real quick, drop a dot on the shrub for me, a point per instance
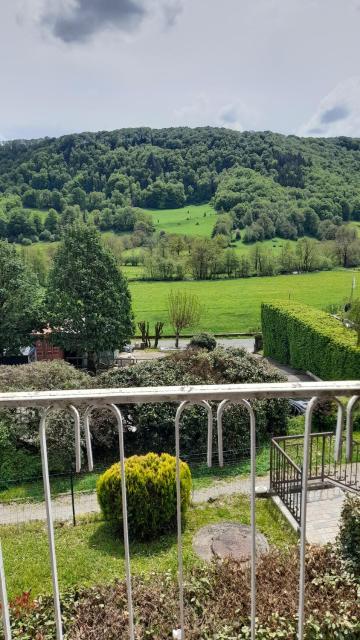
(203, 341)
(349, 534)
(311, 340)
(151, 494)
(155, 422)
(20, 458)
(46, 235)
(217, 603)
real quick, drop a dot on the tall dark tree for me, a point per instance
(88, 300)
(20, 301)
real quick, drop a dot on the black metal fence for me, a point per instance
(285, 479)
(286, 457)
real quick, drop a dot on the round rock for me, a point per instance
(227, 540)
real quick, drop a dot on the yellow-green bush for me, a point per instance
(151, 494)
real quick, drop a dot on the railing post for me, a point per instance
(50, 524)
(4, 600)
(118, 415)
(248, 407)
(72, 496)
(323, 459)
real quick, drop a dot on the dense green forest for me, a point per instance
(265, 184)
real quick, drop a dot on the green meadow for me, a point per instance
(231, 306)
(192, 220)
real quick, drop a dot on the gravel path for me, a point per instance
(323, 513)
(85, 503)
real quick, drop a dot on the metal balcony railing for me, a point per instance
(286, 457)
(85, 401)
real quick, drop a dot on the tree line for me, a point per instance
(272, 184)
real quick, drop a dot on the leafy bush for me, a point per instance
(203, 341)
(154, 423)
(217, 603)
(311, 340)
(151, 494)
(349, 534)
(20, 456)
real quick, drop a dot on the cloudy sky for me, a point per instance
(82, 65)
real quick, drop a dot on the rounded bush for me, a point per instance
(203, 341)
(151, 494)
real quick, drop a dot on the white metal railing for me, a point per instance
(201, 395)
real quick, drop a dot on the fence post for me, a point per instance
(72, 496)
(323, 459)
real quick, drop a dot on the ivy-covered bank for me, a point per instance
(309, 339)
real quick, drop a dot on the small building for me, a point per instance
(44, 348)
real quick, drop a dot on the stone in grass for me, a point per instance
(228, 540)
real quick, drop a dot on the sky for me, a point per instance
(290, 66)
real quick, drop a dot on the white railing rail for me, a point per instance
(113, 399)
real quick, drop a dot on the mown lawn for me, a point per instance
(91, 554)
(234, 305)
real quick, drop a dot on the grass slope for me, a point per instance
(192, 220)
(234, 305)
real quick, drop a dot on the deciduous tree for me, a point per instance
(184, 311)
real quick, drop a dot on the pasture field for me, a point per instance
(192, 220)
(231, 306)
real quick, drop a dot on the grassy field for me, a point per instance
(193, 220)
(90, 553)
(234, 305)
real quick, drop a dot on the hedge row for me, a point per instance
(309, 339)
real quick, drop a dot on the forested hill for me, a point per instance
(252, 174)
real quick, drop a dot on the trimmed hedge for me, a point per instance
(151, 494)
(309, 339)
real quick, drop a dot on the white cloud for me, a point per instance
(338, 113)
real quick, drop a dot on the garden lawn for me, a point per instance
(231, 306)
(90, 554)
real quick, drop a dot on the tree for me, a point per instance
(52, 221)
(20, 224)
(184, 311)
(354, 316)
(88, 300)
(344, 239)
(287, 258)
(306, 252)
(20, 301)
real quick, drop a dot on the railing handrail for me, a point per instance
(193, 393)
(301, 436)
(283, 453)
